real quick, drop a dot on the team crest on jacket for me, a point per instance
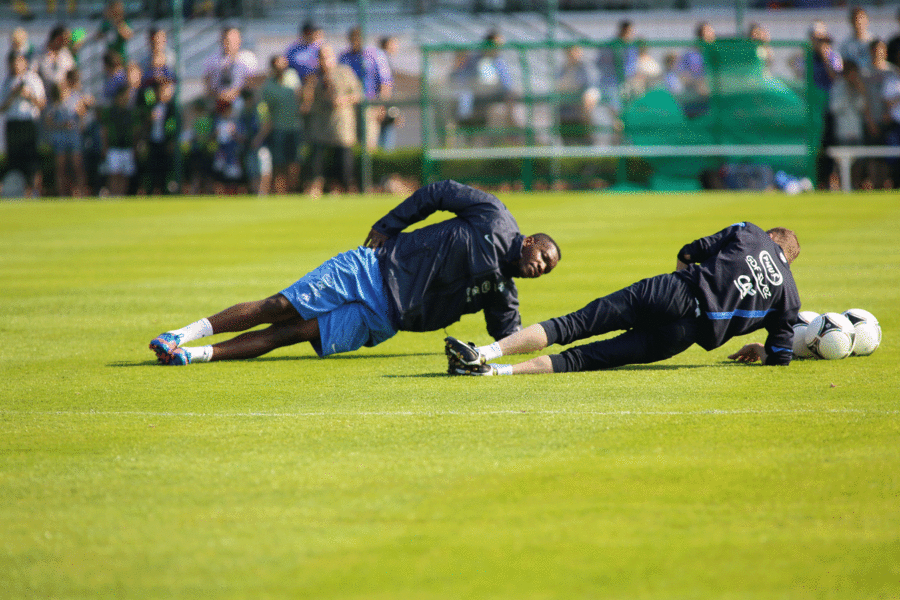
(770, 269)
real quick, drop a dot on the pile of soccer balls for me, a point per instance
(831, 336)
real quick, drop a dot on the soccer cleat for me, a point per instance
(455, 367)
(178, 358)
(165, 345)
(466, 354)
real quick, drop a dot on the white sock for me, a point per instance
(199, 354)
(194, 331)
(491, 352)
(502, 369)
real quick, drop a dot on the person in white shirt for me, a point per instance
(229, 71)
(57, 59)
(22, 98)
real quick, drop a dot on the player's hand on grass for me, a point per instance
(375, 239)
(749, 353)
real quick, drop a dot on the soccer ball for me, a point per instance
(868, 331)
(830, 336)
(801, 350)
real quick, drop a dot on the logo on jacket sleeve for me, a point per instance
(770, 269)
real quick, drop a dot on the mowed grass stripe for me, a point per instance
(451, 413)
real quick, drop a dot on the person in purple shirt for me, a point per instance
(374, 72)
(303, 55)
(369, 63)
(113, 75)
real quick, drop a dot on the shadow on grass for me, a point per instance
(623, 368)
(154, 363)
(651, 367)
(420, 375)
(667, 367)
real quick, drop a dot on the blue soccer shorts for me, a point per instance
(347, 296)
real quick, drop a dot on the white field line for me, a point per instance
(574, 413)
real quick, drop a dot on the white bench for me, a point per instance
(845, 155)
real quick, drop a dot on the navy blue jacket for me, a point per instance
(743, 282)
(463, 265)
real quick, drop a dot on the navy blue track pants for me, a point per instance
(659, 316)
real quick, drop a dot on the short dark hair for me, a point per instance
(111, 58)
(57, 31)
(493, 36)
(543, 238)
(788, 241)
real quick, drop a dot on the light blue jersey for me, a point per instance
(347, 295)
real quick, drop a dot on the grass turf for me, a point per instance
(372, 475)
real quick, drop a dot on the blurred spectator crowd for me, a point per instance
(247, 133)
(291, 124)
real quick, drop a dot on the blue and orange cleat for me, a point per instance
(179, 358)
(165, 345)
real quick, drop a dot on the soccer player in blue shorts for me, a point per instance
(421, 280)
(730, 283)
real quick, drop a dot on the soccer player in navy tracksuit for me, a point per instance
(421, 280)
(730, 283)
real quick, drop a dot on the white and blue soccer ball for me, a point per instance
(868, 331)
(801, 350)
(830, 336)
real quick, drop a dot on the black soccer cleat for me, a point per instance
(465, 354)
(455, 367)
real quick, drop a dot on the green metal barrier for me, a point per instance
(752, 104)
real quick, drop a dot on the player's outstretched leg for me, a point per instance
(240, 317)
(252, 344)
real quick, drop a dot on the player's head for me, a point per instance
(354, 37)
(859, 18)
(705, 32)
(231, 40)
(540, 254)
(787, 239)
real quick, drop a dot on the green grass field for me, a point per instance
(374, 475)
